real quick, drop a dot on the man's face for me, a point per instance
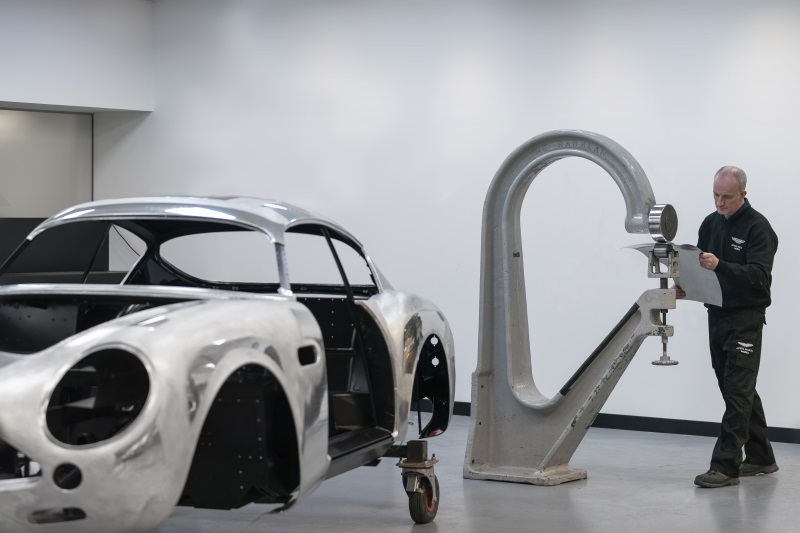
(727, 196)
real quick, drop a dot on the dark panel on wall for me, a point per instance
(12, 232)
(66, 248)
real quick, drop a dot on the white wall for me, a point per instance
(392, 118)
(86, 54)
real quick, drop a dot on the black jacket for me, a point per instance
(745, 245)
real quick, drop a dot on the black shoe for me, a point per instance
(714, 479)
(751, 470)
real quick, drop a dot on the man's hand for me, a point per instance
(680, 294)
(708, 261)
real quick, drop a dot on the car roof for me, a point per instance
(272, 217)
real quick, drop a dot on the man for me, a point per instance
(739, 245)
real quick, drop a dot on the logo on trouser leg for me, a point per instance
(745, 348)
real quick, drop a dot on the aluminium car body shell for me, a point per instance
(405, 319)
(132, 481)
(163, 437)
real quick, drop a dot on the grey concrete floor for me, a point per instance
(638, 482)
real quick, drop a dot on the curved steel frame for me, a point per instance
(518, 434)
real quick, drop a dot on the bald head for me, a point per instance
(729, 190)
(736, 173)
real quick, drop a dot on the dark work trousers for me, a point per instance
(735, 342)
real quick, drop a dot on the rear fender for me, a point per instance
(409, 323)
(432, 387)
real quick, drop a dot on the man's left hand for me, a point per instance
(708, 261)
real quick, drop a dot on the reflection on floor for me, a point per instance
(638, 482)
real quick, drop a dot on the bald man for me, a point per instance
(739, 245)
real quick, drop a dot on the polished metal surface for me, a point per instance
(406, 321)
(662, 223)
(131, 481)
(517, 433)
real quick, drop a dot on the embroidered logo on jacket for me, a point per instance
(737, 243)
(745, 347)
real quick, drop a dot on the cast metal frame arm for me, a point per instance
(518, 434)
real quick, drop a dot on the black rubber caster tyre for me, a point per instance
(421, 505)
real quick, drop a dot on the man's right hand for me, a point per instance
(680, 294)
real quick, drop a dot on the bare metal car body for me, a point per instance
(125, 396)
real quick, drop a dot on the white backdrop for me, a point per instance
(392, 117)
(76, 54)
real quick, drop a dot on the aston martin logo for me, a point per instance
(745, 348)
(737, 241)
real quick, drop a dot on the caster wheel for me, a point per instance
(421, 505)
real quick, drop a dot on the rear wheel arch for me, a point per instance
(431, 390)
